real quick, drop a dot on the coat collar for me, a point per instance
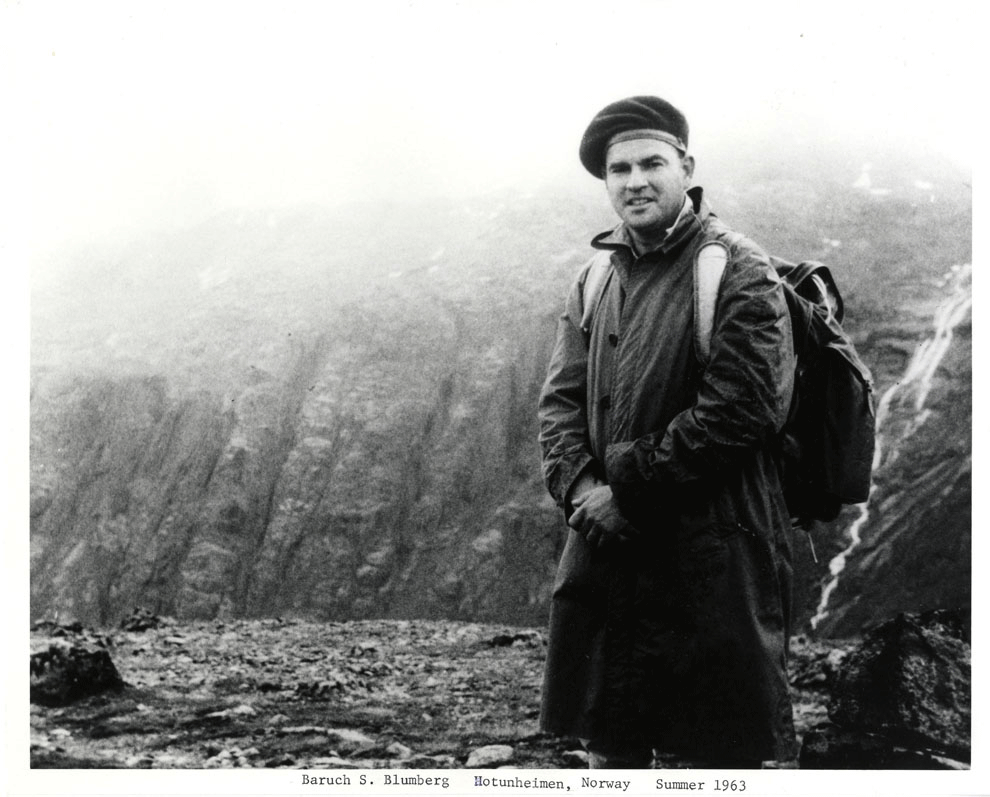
(695, 211)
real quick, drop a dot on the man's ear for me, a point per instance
(687, 163)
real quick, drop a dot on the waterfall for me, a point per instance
(914, 384)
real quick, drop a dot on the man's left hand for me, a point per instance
(597, 516)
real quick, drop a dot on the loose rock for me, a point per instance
(489, 756)
(398, 750)
(575, 759)
(140, 620)
(349, 741)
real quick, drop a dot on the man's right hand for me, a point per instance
(596, 516)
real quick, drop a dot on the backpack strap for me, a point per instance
(813, 281)
(596, 280)
(709, 265)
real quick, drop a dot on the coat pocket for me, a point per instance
(729, 582)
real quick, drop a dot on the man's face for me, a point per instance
(646, 180)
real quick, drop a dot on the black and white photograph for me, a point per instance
(466, 398)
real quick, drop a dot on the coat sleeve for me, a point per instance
(743, 396)
(563, 402)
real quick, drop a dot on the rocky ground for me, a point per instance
(372, 694)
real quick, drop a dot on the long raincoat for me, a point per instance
(676, 638)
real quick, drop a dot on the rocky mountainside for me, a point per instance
(330, 413)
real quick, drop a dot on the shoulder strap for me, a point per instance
(709, 265)
(595, 281)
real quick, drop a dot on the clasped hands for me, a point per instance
(597, 516)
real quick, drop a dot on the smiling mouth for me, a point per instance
(639, 201)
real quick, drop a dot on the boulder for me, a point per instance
(910, 680)
(490, 756)
(66, 671)
(900, 700)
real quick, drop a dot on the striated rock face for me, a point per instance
(917, 522)
(309, 414)
(125, 497)
(909, 547)
(287, 504)
(359, 454)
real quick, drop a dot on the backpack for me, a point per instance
(826, 445)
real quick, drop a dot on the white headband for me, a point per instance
(659, 135)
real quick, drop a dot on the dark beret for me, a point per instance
(633, 113)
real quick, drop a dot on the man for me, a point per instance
(669, 619)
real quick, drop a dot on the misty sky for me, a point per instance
(159, 113)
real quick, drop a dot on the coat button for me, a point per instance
(605, 402)
(613, 339)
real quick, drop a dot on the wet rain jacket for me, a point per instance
(677, 637)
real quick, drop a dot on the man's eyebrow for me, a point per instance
(649, 160)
